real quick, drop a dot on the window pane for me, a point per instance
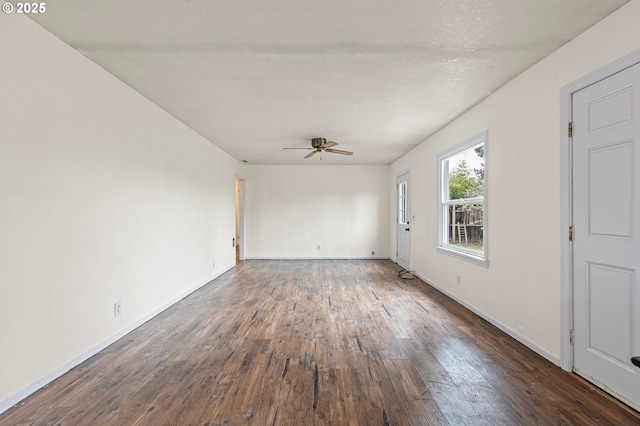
(462, 221)
(465, 226)
(466, 173)
(402, 203)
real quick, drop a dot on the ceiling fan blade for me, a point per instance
(299, 148)
(328, 144)
(338, 151)
(311, 154)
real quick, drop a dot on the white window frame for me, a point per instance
(443, 245)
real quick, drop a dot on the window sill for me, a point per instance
(464, 255)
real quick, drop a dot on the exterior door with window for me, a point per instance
(606, 243)
(403, 222)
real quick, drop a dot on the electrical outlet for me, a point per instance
(459, 278)
(372, 253)
(117, 309)
(318, 247)
(214, 264)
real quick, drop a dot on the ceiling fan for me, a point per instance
(320, 145)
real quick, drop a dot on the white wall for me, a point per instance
(522, 286)
(104, 196)
(290, 210)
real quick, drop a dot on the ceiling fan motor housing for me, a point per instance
(317, 142)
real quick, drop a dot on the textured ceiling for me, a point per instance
(378, 77)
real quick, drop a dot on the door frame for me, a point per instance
(395, 215)
(566, 193)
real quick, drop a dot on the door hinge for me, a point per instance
(570, 129)
(571, 233)
(572, 337)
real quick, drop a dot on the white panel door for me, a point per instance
(403, 222)
(606, 245)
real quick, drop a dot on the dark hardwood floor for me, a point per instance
(318, 343)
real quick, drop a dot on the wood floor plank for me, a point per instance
(317, 342)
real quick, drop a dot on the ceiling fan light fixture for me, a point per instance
(320, 145)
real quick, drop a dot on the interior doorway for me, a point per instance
(239, 237)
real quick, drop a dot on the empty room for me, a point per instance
(320, 213)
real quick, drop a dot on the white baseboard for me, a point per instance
(317, 258)
(528, 343)
(15, 399)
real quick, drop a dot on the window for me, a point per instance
(462, 209)
(403, 214)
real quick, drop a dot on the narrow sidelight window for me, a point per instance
(403, 214)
